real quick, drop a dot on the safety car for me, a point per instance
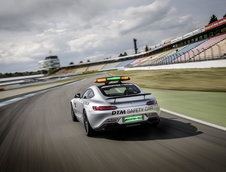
(111, 102)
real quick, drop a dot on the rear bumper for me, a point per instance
(153, 119)
(100, 119)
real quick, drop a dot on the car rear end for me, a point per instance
(132, 111)
(124, 105)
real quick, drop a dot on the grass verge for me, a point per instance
(207, 106)
(198, 93)
(213, 79)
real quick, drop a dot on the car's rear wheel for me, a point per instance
(74, 118)
(88, 129)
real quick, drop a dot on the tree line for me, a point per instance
(214, 18)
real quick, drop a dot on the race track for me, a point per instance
(37, 134)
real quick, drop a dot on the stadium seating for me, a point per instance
(125, 63)
(191, 54)
(206, 49)
(146, 60)
(81, 69)
(171, 58)
(138, 61)
(216, 51)
(110, 66)
(95, 67)
(155, 58)
(165, 56)
(66, 71)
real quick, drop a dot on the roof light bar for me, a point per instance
(113, 78)
(125, 78)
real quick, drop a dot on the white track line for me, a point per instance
(32, 94)
(194, 119)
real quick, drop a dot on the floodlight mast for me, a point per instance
(135, 45)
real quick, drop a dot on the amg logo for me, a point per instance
(119, 112)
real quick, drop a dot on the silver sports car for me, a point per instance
(112, 103)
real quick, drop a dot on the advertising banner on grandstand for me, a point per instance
(215, 24)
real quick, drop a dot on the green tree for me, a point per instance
(213, 18)
(224, 15)
(125, 54)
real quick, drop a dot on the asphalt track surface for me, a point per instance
(37, 134)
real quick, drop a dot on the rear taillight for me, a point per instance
(104, 107)
(151, 102)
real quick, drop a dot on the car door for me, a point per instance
(84, 101)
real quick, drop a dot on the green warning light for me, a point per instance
(116, 78)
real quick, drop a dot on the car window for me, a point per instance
(119, 90)
(88, 94)
(91, 94)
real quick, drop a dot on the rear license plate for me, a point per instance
(133, 118)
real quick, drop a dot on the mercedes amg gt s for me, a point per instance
(112, 103)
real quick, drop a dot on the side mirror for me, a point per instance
(77, 95)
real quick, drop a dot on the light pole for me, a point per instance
(135, 45)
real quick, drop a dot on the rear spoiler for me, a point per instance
(125, 96)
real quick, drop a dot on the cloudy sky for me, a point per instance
(78, 30)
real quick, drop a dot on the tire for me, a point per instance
(74, 118)
(88, 129)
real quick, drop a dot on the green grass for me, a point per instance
(213, 79)
(207, 106)
(198, 93)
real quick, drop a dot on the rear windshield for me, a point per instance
(119, 90)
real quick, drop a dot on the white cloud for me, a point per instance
(85, 29)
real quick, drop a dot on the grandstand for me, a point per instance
(167, 55)
(95, 67)
(81, 69)
(205, 43)
(155, 58)
(202, 48)
(216, 51)
(125, 63)
(66, 71)
(138, 61)
(183, 51)
(110, 66)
